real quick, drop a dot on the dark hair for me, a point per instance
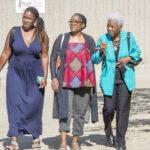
(82, 17)
(39, 27)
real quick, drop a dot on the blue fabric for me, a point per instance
(108, 66)
(24, 98)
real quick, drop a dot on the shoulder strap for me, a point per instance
(128, 39)
(62, 39)
(12, 35)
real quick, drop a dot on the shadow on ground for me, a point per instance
(25, 142)
(90, 140)
(140, 105)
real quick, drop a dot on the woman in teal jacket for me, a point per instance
(117, 78)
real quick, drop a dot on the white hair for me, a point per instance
(116, 15)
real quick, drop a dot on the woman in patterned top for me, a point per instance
(74, 84)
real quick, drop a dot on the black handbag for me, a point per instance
(132, 64)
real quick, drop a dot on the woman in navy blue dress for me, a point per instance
(28, 59)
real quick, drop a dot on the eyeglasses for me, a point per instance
(74, 22)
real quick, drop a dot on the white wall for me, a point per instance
(136, 20)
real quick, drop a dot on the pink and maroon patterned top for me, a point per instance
(78, 68)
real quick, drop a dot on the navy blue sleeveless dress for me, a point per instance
(24, 98)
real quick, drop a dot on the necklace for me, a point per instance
(115, 48)
(116, 45)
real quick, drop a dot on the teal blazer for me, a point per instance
(108, 66)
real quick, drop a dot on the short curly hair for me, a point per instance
(116, 15)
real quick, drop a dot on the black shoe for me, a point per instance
(121, 147)
(110, 140)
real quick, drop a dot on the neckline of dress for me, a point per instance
(24, 40)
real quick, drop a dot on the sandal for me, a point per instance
(12, 148)
(36, 146)
(75, 148)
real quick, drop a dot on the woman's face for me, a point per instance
(76, 24)
(113, 28)
(28, 20)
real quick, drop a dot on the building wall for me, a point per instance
(136, 20)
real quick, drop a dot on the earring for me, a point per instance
(35, 24)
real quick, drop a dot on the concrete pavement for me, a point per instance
(138, 135)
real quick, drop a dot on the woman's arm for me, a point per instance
(54, 55)
(98, 56)
(91, 45)
(53, 60)
(45, 60)
(134, 52)
(6, 52)
(134, 49)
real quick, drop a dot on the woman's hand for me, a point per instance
(55, 84)
(102, 48)
(124, 60)
(43, 83)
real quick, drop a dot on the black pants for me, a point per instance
(119, 101)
